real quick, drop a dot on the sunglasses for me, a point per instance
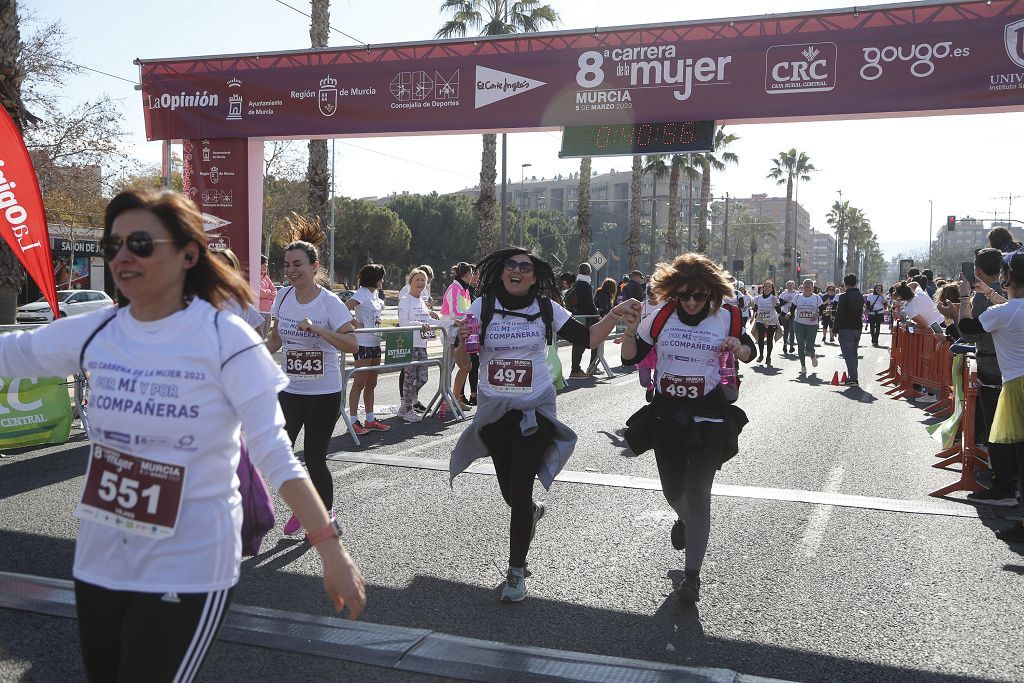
(139, 243)
(525, 267)
(699, 297)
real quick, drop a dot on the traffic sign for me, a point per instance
(598, 260)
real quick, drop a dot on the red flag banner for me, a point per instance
(22, 217)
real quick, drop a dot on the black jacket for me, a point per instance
(634, 290)
(584, 299)
(850, 309)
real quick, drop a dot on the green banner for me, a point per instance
(946, 431)
(398, 346)
(33, 411)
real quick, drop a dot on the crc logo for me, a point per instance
(800, 68)
(921, 58)
(1013, 38)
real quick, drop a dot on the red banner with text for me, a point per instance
(215, 176)
(22, 216)
(892, 60)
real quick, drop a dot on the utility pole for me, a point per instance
(504, 189)
(330, 232)
(931, 211)
(725, 232)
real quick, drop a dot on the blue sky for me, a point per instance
(891, 168)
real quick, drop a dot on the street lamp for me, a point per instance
(522, 202)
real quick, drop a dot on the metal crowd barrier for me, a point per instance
(78, 381)
(600, 347)
(444, 363)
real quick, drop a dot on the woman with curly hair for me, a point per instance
(515, 423)
(691, 423)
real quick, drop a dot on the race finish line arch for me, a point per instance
(910, 59)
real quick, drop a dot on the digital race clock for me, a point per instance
(619, 139)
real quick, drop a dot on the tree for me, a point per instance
(836, 217)
(318, 172)
(634, 214)
(716, 160)
(492, 18)
(583, 210)
(366, 233)
(681, 163)
(787, 169)
(858, 235)
(280, 197)
(442, 227)
(654, 166)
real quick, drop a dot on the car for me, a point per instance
(344, 294)
(69, 302)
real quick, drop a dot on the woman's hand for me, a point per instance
(435, 316)
(981, 288)
(425, 327)
(306, 325)
(343, 581)
(965, 287)
(630, 310)
(731, 344)
(463, 330)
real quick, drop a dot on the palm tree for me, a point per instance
(654, 166)
(837, 217)
(680, 163)
(716, 160)
(492, 18)
(634, 214)
(583, 209)
(749, 230)
(787, 169)
(12, 73)
(858, 235)
(318, 175)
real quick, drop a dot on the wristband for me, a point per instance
(332, 530)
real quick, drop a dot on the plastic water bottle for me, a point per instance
(473, 339)
(727, 367)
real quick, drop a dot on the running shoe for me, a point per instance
(851, 383)
(925, 399)
(411, 416)
(689, 589)
(472, 399)
(419, 407)
(993, 497)
(377, 426)
(358, 428)
(578, 374)
(292, 526)
(814, 360)
(679, 535)
(649, 395)
(538, 514)
(465, 404)
(514, 589)
(1014, 534)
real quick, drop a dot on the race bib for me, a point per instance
(304, 364)
(428, 334)
(806, 314)
(763, 315)
(510, 376)
(135, 495)
(678, 386)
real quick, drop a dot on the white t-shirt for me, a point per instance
(922, 305)
(367, 314)
(513, 355)
(806, 312)
(1006, 324)
(646, 307)
(164, 424)
(414, 311)
(248, 314)
(310, 362)
(687, 355)
(785, 296)
(766, 313)
(875, 302)
(424, 294)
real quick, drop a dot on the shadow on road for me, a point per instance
(618, 441)
(38, 471)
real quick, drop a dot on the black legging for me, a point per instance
(517, 459)
(318, 413)
(474, 373)
(875, 323)
(767, 338)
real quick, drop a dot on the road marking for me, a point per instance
(816, 525)
(832, 498)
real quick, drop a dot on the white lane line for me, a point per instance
(816, 525)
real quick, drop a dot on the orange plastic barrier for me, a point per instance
(966, 451)
(921, 359)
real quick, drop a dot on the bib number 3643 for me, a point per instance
(302, 364)
(136, 495)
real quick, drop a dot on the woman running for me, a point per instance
(828, 321)
(875, 304)
(647, 366)
(766, 320)
(367, 308)
(172, 380)
(691, 423)
(412, 310)
(515, 422)
(1005, 321)
(310, 326)
(454, 307)
(804, 309)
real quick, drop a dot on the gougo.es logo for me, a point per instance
(921, 57)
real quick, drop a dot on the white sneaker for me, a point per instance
(814, 360)
(925, 399)
(411, 416)
(514, 589)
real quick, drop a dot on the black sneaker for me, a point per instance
(679, 535)
(538, 513)
(993, 497)
(419, 407)
(689, 590)
(649, 395)
(851, 383)
(1014, 534)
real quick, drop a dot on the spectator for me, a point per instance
(1002, 239)
(635, 288)
(581, 302)
(565, 281)
(929, 280)
(848, 321)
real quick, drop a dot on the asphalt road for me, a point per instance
(790, 590)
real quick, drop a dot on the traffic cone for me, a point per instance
(835, 379)
(845, 379)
